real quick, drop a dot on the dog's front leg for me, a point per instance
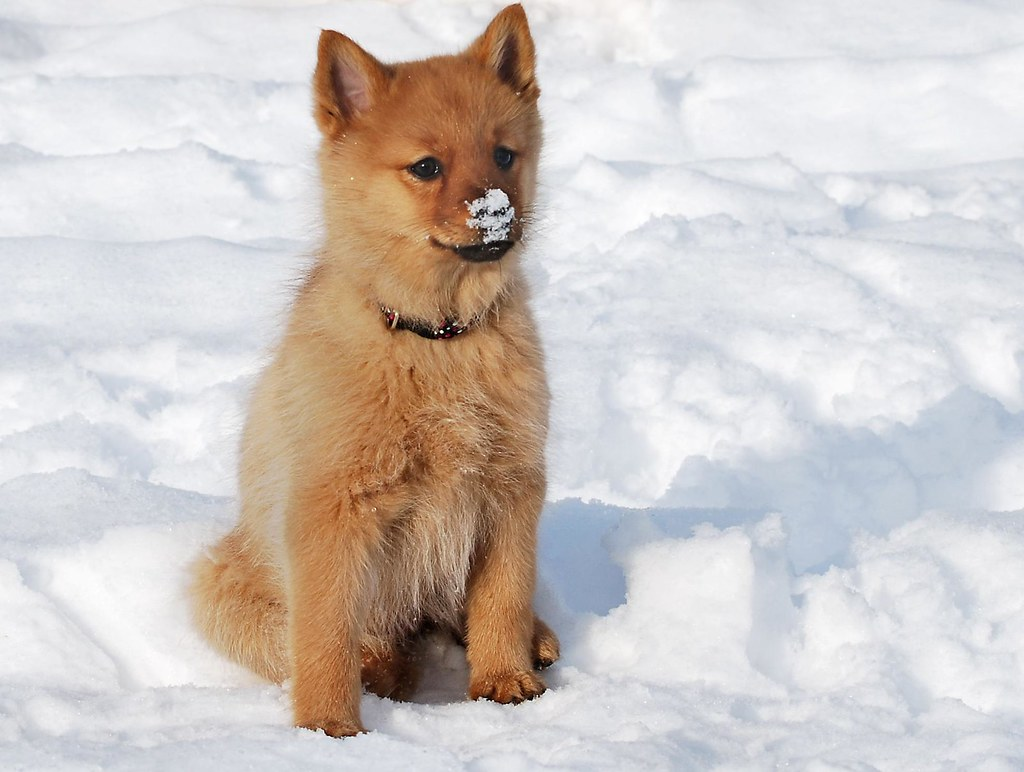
(332, 560)
(499, 603)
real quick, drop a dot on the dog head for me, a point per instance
(429, 167)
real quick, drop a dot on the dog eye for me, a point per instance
(426, 168)
(504, 157)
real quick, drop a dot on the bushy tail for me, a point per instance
(240, 609)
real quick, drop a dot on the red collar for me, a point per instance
(445, 331)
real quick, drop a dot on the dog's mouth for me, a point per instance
(479, 253)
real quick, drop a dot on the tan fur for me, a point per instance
(389, 482)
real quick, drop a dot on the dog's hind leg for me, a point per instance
(239, 608)
(390, 669)
(545, 644)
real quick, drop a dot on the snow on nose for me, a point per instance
(493, 214)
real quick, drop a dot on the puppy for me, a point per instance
(392, 463)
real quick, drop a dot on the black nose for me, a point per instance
(484, 253)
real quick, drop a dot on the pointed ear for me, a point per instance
(507, 47)
(347, 82)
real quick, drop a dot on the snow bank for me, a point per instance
(778, 272)
(814, 350)
(930, 613)
(710, 651)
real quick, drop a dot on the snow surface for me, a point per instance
(779, 273)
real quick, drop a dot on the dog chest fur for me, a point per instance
(428, 441)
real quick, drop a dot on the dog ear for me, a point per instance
(507, 47)
(347, 82)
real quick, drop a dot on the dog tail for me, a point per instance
(239, 608)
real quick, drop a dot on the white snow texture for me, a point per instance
(778, 269)
(493, 214)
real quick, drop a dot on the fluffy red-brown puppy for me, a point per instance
(392, 464)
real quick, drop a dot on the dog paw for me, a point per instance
(545, 645)
(507, 688)
(333, 728)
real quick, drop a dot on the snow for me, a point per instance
(492, 214)
(778, 270)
